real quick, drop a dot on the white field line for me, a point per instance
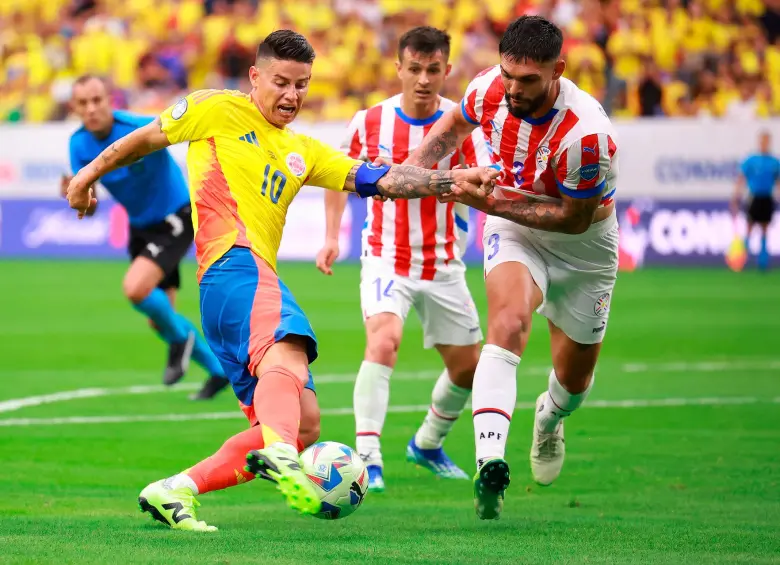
(673, 367)
(236, 415)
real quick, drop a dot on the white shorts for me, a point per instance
(576, 273)
(445, 308)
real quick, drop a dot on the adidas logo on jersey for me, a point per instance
(250, 137)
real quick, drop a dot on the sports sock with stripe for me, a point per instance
(493, 400)
(370, 398)
(447, 402)
(559, 403)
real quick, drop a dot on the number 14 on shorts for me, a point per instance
(385, 291)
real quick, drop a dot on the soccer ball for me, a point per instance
(339, 476)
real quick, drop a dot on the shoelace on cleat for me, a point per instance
(548, 445)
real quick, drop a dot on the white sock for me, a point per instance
(182, 480)
(371, 397)
(290, 449)
(559, 403)
(493, 400)
(447, 402)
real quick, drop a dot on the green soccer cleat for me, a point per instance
(172, 507)
(284, 468)
(490, 482)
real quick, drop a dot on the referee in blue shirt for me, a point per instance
(155, 195)
(759, 173)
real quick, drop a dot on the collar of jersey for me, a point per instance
(417, 121)
(544, 119)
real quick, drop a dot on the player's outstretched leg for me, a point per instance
(447, 402)
(277, 402)
(172, 501)
(569, 384)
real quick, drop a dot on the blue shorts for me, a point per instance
(245, 308)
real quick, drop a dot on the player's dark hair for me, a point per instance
(286, 45)
(426, 40)
(532, 38)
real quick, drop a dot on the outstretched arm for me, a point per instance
(445, 136)
(121, 153)
(571, 215)
(406, 181)
(127, 150)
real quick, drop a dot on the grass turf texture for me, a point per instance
(672, 484)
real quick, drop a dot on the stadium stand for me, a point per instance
(708, 58)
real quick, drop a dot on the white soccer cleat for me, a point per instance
(547, 449)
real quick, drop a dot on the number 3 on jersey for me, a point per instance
(273, 183)
(492, 242)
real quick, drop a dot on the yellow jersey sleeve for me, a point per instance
(329, 166)
(193, 117)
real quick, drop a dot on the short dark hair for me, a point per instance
(286, 45)
(424, 39)
(532, 37)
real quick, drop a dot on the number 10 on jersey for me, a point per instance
(273, 183)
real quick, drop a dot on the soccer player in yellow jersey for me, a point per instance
(245, 167)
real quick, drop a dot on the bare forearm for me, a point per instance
(128, 150)
(406, 181)
(335, 202)
(546, 216)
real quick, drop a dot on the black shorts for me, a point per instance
(761, 209)
(165, 243)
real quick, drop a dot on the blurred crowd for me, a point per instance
(711, 58)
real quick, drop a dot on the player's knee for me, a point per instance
(510, 324)
(382, 347)
(135, 291)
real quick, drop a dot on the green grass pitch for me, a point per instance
(686, 471)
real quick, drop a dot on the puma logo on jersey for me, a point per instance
(250, 137)
(177, 225)
(589, 149)
(154, 250)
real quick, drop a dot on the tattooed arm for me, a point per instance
(445, 136)
(406, 181)
(122, 152)
(129, 149)
(571, 215)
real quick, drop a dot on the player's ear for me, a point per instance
(447, 70)
(398, 66)
(560, 66)
(254, 76)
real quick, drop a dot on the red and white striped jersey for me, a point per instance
(571, 150)
(421, 238)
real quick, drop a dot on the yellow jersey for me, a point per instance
(244, 172)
